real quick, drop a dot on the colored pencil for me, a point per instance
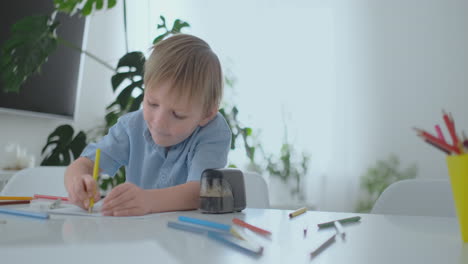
(339, 229)
(221, 235)
(211, 224)
(238, 244)
(95, 177)
(16, 198)
(14, 202)
(323, 246)
(438, 147)
(193, 228)
(206, 223)
(342, 221)
(259, 230)
(50, 197)
(24, 213)
(451, 128)
(437, 141)
(439, 133)
(298, 212)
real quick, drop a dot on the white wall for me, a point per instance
(105, 38)
(399, 63)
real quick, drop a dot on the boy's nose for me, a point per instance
(160, 121)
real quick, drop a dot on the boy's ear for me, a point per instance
(209, 116)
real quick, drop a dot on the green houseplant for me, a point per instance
(378, 177)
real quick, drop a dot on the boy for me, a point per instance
(165, 146)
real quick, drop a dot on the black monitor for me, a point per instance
(52, 92)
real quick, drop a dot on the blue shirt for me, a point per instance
(147, 165)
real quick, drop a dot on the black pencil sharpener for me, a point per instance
(222, 191)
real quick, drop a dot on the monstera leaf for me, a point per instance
(129, 76)
(65, 147)
(71, 6)
(33, 39)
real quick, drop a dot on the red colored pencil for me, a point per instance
(239, 222)
(436, 146)
(50, 197)
(439, 133)
(451, 128)
(437, 141)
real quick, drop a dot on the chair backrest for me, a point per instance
(256, 190)
(39, 180)
(421, 197)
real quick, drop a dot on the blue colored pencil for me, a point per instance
(219, 235)
(192, 228)
(205, 223)
(238, 244)
(24, 213)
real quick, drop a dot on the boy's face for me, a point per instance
(171, 120)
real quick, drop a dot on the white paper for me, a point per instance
(70, 209)
(73, 210)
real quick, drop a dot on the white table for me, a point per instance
(376, 239)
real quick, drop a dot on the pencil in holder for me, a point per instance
(458, 172)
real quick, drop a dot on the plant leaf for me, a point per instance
(64, 146)
(33, 40)
(78, 144)
(163, 22)
(134, 59)
(124, 96)
(136, 103)
(72, 6)
(99, 4)
(178, 25)
(119, 77)
(160, 37)
(66, 6)
(111, 3)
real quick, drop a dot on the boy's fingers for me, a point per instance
(129, 212)
(90, 186)
(79, 192)
(117, 191)
(117, 202)
(122, 202)
(97, 196)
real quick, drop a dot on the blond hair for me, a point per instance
(190, 66)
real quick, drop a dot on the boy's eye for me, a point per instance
(153, 105)
(178, 116)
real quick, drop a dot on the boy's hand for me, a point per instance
(81, 189)
(126, 199)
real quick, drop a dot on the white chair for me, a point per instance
(256, 190)
(39, 180)
(417, 197)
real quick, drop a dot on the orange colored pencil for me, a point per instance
(16, 198)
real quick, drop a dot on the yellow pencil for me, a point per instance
(95, 177)
(298, 212)
(16, 198)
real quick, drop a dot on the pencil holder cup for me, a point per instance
(458, 172)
